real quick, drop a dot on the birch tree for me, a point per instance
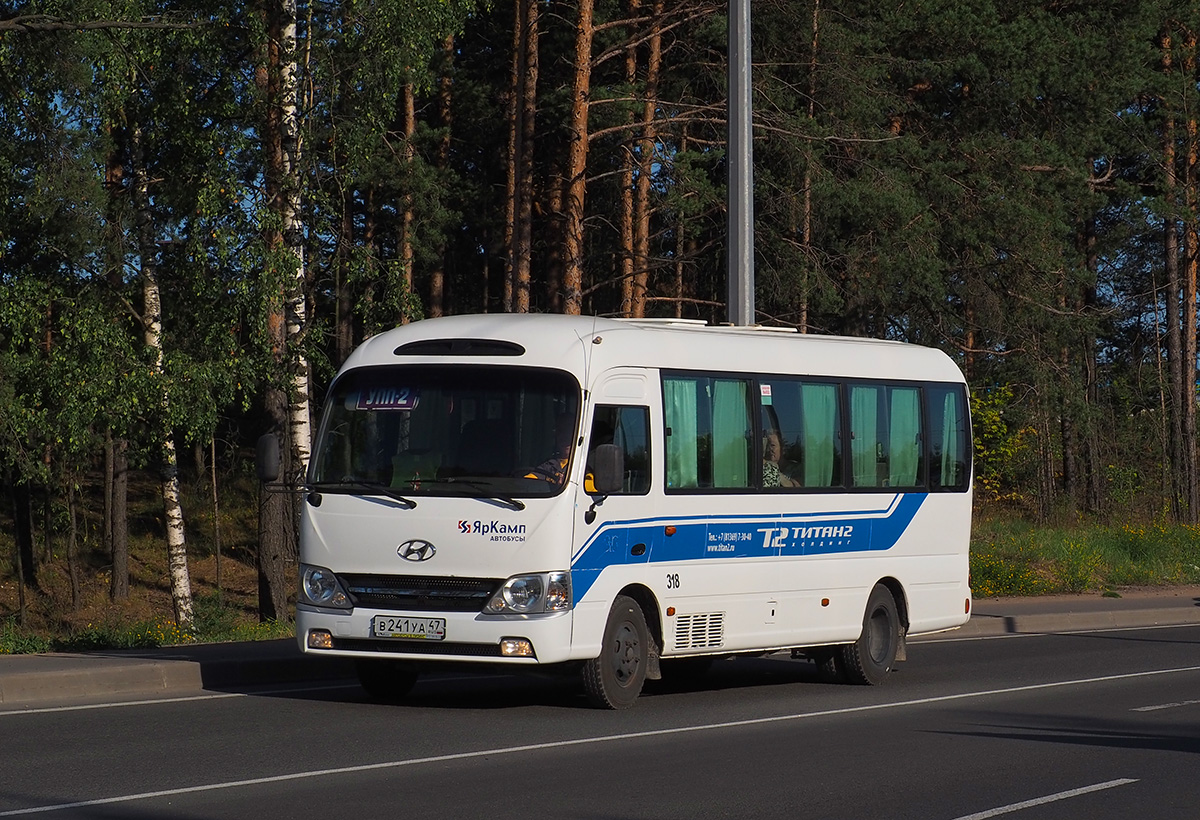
(286, 401)
(152, 325)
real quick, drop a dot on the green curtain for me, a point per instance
(818, 404)
(950, 441)
(679, 397)
(904, 441)
(731, 424)
(864, 411)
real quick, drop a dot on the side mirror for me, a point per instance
(608, 469)
(266, 458)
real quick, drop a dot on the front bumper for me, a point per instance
(470, 636)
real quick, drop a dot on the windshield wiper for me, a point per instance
(362, 488)
(481, 488)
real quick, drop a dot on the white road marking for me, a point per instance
(587, 741)
(1156, 707)
(950, 637)
(1050, 798)
(121, 704)
(82, 707)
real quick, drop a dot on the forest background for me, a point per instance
(209, 204)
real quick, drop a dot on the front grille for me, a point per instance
(415, 593)
(472, 650)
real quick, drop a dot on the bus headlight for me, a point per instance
(320, 587)
(532, 594)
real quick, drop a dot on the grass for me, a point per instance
(55, 621)
(1012, 557)
(215, 621)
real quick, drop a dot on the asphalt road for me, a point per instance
(1094, 724)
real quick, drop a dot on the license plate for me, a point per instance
(413, 629)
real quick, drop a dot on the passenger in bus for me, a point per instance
(554, 469)
(775, 469)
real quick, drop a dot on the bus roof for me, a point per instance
(590, 344)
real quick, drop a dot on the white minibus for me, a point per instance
(616, 496)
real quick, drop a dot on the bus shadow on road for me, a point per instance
(1109, 734)
(456, 688)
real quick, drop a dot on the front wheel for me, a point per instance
(613, 679)
(869, 659)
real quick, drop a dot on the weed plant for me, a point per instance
(215, 622)
(1010, 557)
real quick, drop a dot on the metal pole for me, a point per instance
(740, 270)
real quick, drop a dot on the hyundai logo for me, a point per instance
(416, 550)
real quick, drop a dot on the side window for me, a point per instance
(906, 462)
(802, 436)
(886, 442)
(629, 429)
(708, 430)
(868, 456)
(949, 453)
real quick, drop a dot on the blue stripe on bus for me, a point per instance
(749, 536)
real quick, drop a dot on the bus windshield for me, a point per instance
(449, 430)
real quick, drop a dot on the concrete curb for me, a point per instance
(994, 625)
(65, 677)
(27, 680)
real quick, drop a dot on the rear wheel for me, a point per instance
(830, 668)
(386, 680)
(869, 659)
(613, 679)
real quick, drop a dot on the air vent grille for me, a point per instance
(700, 631)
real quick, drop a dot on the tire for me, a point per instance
(830, 668)
(613, 679)
(868, 660)
(386, 680)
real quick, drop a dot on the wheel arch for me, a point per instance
(894, 586)
(648, 601)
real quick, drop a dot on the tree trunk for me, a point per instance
(73, 544)
(23, 534)
(628, 161)
(641, 236)
(806, 222)
(521, 134)
(1187, 386)
(512, 175)
(181, 587)
(287, 408)
(119, 535)
(344, 281)
(523, 270)
(216, 511)
(437, 277)
(1093, 471)
(555, 244)
(1173, 288)
(300, 422)
(409, 118)
(575, 176)
(1046, 484)
(276, 526)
